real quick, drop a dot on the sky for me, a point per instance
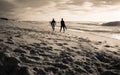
(70, 10)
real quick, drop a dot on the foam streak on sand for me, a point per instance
(95, 37)
(116, 36)
(25, 50)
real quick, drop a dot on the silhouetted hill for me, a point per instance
(2, 18)
(115, 23)
(6, 19)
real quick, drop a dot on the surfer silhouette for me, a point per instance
(53, 23)
(63, 26)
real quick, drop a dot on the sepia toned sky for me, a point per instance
(71, 10)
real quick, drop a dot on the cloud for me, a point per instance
(31, 3)
(6, 8)
(47, 9)
(33, 13)
(35, 3)
(96, 2)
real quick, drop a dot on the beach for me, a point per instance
(32, 48)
